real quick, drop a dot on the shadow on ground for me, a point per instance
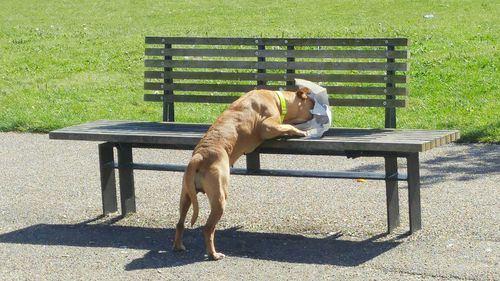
(232, 242)
(466, 165)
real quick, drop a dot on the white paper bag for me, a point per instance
(322, 115)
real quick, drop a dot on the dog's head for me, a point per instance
(299, 107)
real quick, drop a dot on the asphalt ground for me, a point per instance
(273, 228)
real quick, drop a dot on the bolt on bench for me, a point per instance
(356, 73)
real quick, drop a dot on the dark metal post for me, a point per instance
(261, 82)
(414, 192)
(391, 191)
(126, 175)
(391, 163)
(291, 83)
(390, 112)
(253, 161)
(108, 181)
(253, 158)
(168, 107)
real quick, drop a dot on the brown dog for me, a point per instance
(254, 117)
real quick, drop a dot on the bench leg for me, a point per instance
(253, 161)
(414, 192)
(126, 175)
(391, 192)
(108, 181)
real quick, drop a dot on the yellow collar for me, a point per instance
(282, 105)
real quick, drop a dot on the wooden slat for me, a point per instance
(367, 102)
(245, 88)
(191, 98)
(196, 75)
(365, 90)
(360, 66)
(279, 41)
(200, 87)
(229, 99)
(276, 53)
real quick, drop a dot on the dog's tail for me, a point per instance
(189, 184)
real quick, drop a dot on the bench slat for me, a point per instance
(279, 42)
(359, 66)
(191, 98)
(225, 76)
(229, 99)
(246, 88)
(367, 103)
(382, 54)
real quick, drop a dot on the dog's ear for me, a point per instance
(302, 92)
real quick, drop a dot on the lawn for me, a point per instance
(68, 62)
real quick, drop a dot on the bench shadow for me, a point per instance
(233, 242)
(474, 162)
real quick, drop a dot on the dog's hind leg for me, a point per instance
(217, 195)
(184, 205)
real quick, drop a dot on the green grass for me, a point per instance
(68, 62)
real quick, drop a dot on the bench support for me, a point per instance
(126, 174)
(108, 181)
(391, 192)
(126, 168)
(414, 192)
(253, 161)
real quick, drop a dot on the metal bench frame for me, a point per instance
(360, 68)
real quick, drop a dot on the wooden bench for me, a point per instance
(356, 73)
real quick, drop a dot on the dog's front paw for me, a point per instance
(303, 133)
(216, 256)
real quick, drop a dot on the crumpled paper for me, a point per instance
(322, 115)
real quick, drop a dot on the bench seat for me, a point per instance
(187, 135)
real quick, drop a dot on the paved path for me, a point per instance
(274, 228)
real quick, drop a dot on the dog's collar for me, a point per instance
(282, 105)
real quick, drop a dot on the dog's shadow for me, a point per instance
(235, 242)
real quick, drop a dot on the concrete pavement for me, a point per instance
(274, 228)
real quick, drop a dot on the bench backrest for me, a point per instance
(356, 72)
